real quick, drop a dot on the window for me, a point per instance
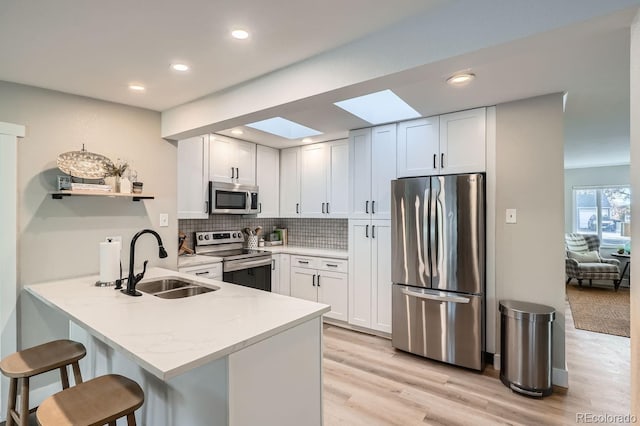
(605, 211)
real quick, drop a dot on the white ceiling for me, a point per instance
(74, 47)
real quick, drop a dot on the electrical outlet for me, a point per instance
(164, 219)
(511, 216)
(114, 239)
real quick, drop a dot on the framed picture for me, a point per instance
(64, 182)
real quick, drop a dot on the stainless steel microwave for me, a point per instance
(232, 198)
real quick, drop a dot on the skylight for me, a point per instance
(379, 107)
(285, 128)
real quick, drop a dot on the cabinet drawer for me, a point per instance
(213, 271)
(335, 265)
(304, 262)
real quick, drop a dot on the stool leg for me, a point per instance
(24, 402)
(13, 389)
(131, 419)
(76, 373)
(64, 377)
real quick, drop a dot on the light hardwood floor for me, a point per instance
(367, 382)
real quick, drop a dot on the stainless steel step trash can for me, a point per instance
(526, 347)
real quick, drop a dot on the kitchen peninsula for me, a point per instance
(234, 356)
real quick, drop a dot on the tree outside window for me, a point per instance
(605, 211)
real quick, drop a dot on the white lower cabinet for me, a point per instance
(321, 280)
(210, 270)
(370, 274)
(280, 274)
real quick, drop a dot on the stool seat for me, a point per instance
(95, 402)
(38, 359)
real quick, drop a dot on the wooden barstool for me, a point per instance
(33, 361)
(95, 402)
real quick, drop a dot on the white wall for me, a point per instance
(529, 176)
(59, 238)
(635, 211)
(612, 175)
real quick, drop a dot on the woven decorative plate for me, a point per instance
(84, 164)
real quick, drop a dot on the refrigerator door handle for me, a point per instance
(420, 295)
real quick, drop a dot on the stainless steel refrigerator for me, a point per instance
(438, 267)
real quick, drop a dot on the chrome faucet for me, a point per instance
(135, 278)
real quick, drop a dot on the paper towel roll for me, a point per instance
(109, 261)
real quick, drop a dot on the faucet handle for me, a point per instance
(141, 274)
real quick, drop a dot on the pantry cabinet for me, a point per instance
(321, 280)
(372, 167)
(193, 178)
(290, 182)
(268, 180)
(370, 274)
(447, 144)
(324, 173)
(232, 160)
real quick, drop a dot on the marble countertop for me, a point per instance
(195, 260)
(170, 337)
(308, 251)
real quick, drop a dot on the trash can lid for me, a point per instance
(527, 311)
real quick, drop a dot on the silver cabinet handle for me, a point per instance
(206, 207)
(333, 265)
(327, 207)
(373, 207)
(437, 298)
(373, 231)
(232, 173)
(366, 207)
(366, 231)
(237, 173)
(297, 208)
(434, 161)
(318, 280)
(442, 161)
(323, 207)
(259, 207)
(202, 273)
(304, 262)
(313, 280)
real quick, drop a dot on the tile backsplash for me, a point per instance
(319, 233)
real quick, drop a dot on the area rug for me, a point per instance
(600, 309)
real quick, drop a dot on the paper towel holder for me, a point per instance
(116, 281)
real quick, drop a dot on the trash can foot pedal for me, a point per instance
(535, 394)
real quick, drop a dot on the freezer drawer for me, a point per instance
(440, 325)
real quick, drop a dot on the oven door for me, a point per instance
(254, 274)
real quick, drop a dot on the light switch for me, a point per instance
(164, 219)
(511, 216)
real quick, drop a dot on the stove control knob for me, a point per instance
(206, 237)
(200, 237)
(236, 235)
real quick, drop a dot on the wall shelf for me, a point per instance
(58, 195)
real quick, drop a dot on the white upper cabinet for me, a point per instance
(463, 141)
(268, 179)
(418, 147)
(232, 160)
(448, 144)
(290, 182)
(372, 159)
(324, 179)
(193, 178)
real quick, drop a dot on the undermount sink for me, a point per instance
(173, 288)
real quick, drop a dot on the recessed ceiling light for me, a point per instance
(237, 132)
(379, 107)
(137, 87)
(460, 79)
(285, 128)
(180, 67)
(307, 140)
(240, 34)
